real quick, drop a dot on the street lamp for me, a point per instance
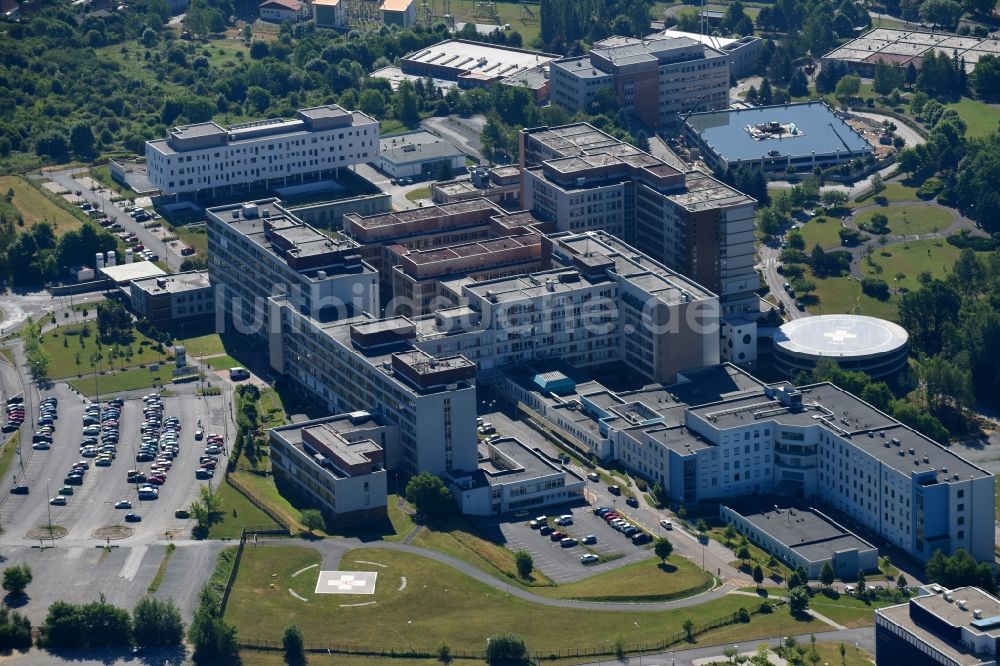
(49, 507)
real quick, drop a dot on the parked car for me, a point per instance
(589, 539)
(545, 530)
(632, 502)
(615, 490)
(666, 524)
(132, 517)
(594, 476)
(123, 504)
(568, 542)
(565, 519)
(19, 490)
(589, 558)
(58, 500)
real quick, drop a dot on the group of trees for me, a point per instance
(37, 255)
(566, 23)
(958, 570)
(430, 496)
(98, 624)
(954, 328)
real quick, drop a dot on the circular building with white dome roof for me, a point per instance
(855, 342)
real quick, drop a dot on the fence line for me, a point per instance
(410, 651)
(232, 574)
(257, 503)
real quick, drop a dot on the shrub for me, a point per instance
(930, 188)
(978, 243)
(875, 288)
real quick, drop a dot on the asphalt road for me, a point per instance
(775, 281)
(102, 200)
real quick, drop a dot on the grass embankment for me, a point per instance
(161, 571)
(439, 604)
(34, 206)
(894, 192)
(980, 119)
(237, 512)
(644, 581)
(126, 380)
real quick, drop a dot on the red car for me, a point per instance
(557, 536)
(209, 465)
(156, 479)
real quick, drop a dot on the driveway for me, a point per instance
(768, 267)
(101, 199)
(384, 183)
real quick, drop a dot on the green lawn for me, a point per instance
(847, 610)
(8, 453)
(126, 380)
(642, 581)
(910, 259)
(65, 346)
(35, 207)
(912, 220)
(829, 653)
(419, 193)
(221, 362)
(203, 345)
(196, 239)
(980, 118)
(264, 490)
(826, 233)
(230, 525)
(507, 12)
(842, 295)
(439, 604)
(894, 192)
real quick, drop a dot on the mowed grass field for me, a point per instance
(824, 231)
(127, 380)
(847, 610)
(980, 119)
(65, 345)
(844, 295)
(437, 603)
(35, 207)
(894, 192)
(917, 219)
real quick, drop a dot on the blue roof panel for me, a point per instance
(819, 130)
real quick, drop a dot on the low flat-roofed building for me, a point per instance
(124, 274)
(394, 75)
(535, 79)
(905, 47)
(959, 627)
(776, 138)
(472, 64)
(168, 298)
(512, 476)
(336, 464)
(419, 155)
(499, 184)
(743, 52)
(799, 535)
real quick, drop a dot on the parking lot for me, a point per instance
(91, 505)
(563, 565)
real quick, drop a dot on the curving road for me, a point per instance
(333, 550)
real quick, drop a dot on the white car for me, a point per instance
(564, 520)
(58, 501)
(589, 558)
(124, 504)
(666, 524)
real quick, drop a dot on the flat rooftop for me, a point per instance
(703, 192)
(332, 431)
(624, 51)
(574, 139)
(416, 147)
(124, 273)
(395, 76)
(174, 283)
(798, 527)
(817, 130)
(411, 221)
(906, 46)
(951, 614)
(531, 464)
(468, 57)
(302, 239)
(870, 430)
(841, 336)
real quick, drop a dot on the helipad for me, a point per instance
(856, 342)
(346, 582)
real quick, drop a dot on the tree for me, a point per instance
(16, 579)
(833, 198)
(798, 600)
(81, 140)
(405, 108)
(312, 520)
(429, 495)
(798, 86)
(743, 552)
(641, 141)
(213, 639)
(525, 563)
(294, 645)
(758, 575)
(157, 623)
(663, 549)
(848, 88)
(944, 13)
(826, 575)
(688, 628)
(506, 650)
(372, 102)
(986, 78)
(861, 583)
(887, 78)
(878, 183)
